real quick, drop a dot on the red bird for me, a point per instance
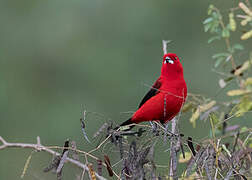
(166, 97)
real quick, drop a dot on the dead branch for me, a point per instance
(39, 147)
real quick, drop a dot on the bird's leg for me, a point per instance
(165, 133)
(132, 133)
(154, 128)
(116, 133)
(168, 132)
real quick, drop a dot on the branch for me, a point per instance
(39, 147)
(165, 42)
(173, 152)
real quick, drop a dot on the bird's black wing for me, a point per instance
(152, 92)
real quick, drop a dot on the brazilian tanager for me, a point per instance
(167, 95)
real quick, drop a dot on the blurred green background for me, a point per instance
(57, 55)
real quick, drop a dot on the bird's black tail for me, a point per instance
(128, 122)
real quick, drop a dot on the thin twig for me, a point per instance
(98, 147)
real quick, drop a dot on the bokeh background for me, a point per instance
(104, 54)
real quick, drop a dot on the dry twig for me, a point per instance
(39, 147)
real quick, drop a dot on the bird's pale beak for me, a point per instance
(170, 61)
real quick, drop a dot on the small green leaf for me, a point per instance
(214, 121)
(226, 149)
(188, 106)
(244, 106)
(216, 29)
(212, 39)
(216, 15)
(238, 92)
(225, 33)
(238, 47)
(208, 20)
(248, 81)
(243, 129)
(229, 79)
(214, 118)
(207, 27)
(248, 139)
(232, 22)
(218, 61)
(186, 159)
(218, 55)
(210, 9)
(195, 116)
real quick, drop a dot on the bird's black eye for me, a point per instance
(168, 60)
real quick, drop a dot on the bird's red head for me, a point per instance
(171, 67)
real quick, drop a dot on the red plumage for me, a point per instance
(166, 97)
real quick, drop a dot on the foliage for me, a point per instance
(233, 66)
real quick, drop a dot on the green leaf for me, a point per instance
(208, 20)
(243, 129)
(229, 79)
(218, 55)
(210, 9)
(207, 27)
(248, 139)
(212, 39)
(248, 81)
(216, 16)
(186, 159)
(188, 106)
(235, 47)
(216, 29)
(214, 118)
(214, 121)
(195, 116)
(244, 106)
(226, 149)
(225, 33)
(238, 47)
(218, 61)
(238, 92)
